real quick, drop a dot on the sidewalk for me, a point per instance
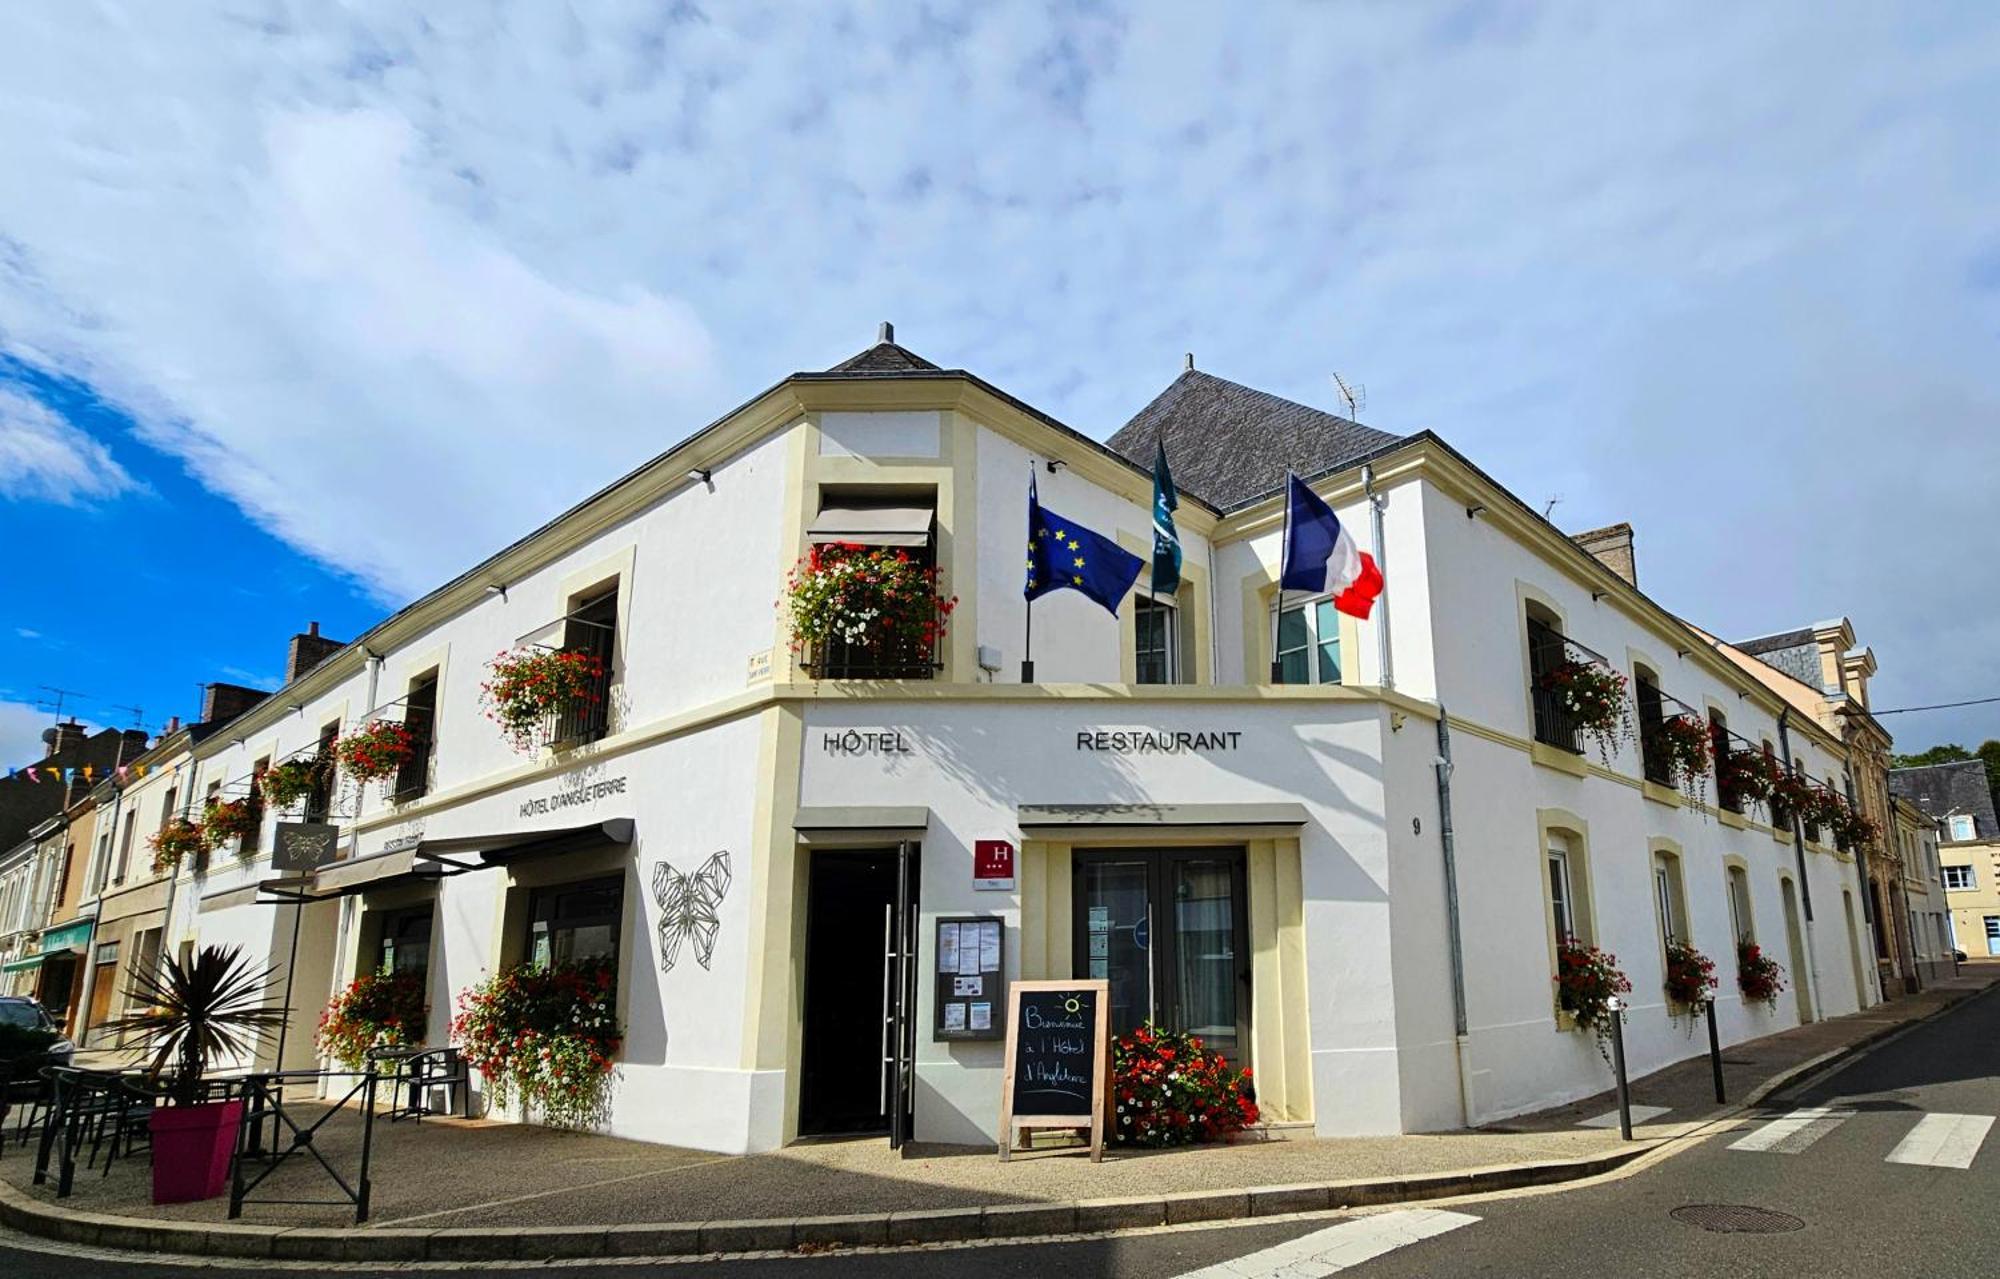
(471, 1190)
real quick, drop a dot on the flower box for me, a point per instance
(380, 1010)
(376, 751)
(1758, 976)
(175, 841)
(289, 781)
(546, 1036)
(1168, 1088)
(1587, 980)
(1690, 977)
(529, 692)
(865, 611)
(1681, 746)
(227, 819)
(1593, 697)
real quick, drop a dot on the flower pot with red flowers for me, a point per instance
(1594, 698)
(545, 1036)
(1169, 1088)
(288, 782)
(867, 612)
(380, 1010)
(1791, 795)
(529, 691)
(1690, 979)
(1854, 829)
(226, 819)
(1744, 777)
(1681, 746)
(1587, 981)
(176, 841)
(376, 751)
(1758, 976)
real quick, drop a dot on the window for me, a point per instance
(319, 800)
(591, 627)
(125, 845)
(255, 799)
(405, 944)
(101, 863)
(1156, 641)
(1547, 651)
(1811, 828)
(1962, 826)
(1563, 917)
(1993, 934)
(1718, 744)
(1652, 712)
(1741, 922)
(575, 921)
(1309, 643)
(420, 717)
(1958, 877)
(167, 808)
(1667, 898)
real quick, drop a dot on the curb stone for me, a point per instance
(32, 1216)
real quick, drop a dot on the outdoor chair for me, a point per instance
(24, 1094)
(415, 1074)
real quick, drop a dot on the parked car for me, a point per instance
(30, 1039)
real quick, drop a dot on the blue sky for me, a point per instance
(305, 308)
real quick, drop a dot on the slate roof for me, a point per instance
(885, 357)
(1943, 789)
(1773, 643)
(1230, 444)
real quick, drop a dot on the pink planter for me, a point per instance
(192, 1146)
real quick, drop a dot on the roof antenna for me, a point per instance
(1550, 505)
(1355, 397)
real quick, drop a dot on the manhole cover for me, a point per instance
(1736, 1219)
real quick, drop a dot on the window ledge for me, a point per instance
(1661, 794)
(1782, 836)
(1735, 821)
(1565, 1021)
(1559, 759)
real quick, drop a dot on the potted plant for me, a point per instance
(1587, 981)
(1758, 975)
(226, 819)
(1790, 794)
(289, 781)
(376, 751)
(380, 1010)
(1855, 829)
(1593, 696)
(546, 1036)
(875, 602)
(176, 840)
(1690, 978)
(527, 690)
(213, 1008)
(1170, 1089)
(1682, 744)
(1743, 777)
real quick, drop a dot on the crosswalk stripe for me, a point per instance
(1336, 1248)
(1792, 1133)
(1640, 1115)
(1943, 1141)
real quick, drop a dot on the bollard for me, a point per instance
(1617, 1009)
(1715, 1054)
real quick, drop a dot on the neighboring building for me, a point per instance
(1822, 673)
(76, 758)
(1923, 890)
(1261, 860)
(1957, 799)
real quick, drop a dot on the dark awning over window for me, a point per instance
(451, 856)
(872, 525)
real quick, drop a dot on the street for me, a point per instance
(1851, 1173)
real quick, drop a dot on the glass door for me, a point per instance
(1169, 931)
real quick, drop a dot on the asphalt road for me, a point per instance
(1885, 1167)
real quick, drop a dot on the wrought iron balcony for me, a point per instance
(1548, 650)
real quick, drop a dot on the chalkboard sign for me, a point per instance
(1057, 1060)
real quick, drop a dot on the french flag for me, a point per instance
(1320, 558)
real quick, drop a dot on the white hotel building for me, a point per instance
(1290, 877)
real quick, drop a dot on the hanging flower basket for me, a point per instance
(546, 1036)
(1821, 808)
(289, 781)
(1855, 829)
(227, 819)
(1171, 1089)
(376, 751)
(1587, 979)
(174, 842)
(381, 1010)
(1790, 794)
(1690, 978)
(1758, 976)
(1593, 696)
(876, 602)
(1682, 745)
(528, 690)
(1743, 777)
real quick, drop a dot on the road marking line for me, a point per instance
(1794, 1132)
(1640, 1115)
(1943, 1141)
(1329, 1251)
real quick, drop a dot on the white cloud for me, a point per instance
(404, 286)
(26, 633)
(251, 679)
(43, 457)
(21, 728)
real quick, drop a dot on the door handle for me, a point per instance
(888, 1022)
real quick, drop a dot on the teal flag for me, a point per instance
(1166, 538)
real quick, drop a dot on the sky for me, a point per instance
(306, 308)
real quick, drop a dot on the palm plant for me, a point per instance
(196, 1013)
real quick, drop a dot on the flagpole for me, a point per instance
(1278, 609)
(1028, 604)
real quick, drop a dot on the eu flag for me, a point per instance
(1064, 555)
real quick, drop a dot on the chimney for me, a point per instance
(1190, 362)
(221, 703)
(173, 726)
(63, 737)
(1612, 547)
(885, 333)
(307, 651)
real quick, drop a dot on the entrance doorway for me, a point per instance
(1795, 942)
(1169, 929)
(860, 997)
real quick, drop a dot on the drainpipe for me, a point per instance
(1388, 671)
(1805, 885)
(1448, 841)
(1861, 864)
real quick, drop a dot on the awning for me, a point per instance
(21, 965)
(446, 856)
(859, 823)
(1053, 821)
(377, 870)
(872, 525)
(74, 935)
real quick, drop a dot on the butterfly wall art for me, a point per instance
(690, 908)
